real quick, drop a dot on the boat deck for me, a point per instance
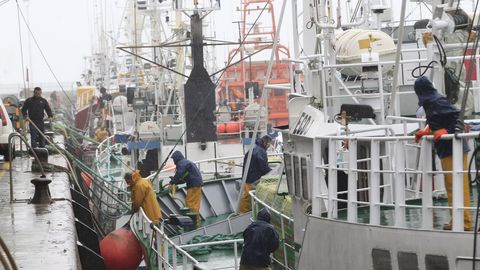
(43, 235)
(413, 216)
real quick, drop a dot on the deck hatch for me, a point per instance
(381, 259)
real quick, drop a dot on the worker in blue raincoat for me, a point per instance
(259, 240)
(442, 117)
(187, 172)
(258, 168)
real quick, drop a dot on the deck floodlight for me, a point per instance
(358, 111)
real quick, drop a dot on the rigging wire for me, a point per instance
(209, 94)
(21, 48)
(43, 56)
(477, 181)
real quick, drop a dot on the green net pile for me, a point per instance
(266, 191)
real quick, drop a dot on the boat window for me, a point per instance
(305, 191)
(296, 173)
(435, 262)
(407, 261)
(381, 259)
(288, 172)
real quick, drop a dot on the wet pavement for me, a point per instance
(38, 236)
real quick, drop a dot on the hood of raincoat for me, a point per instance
(431, 100)
(136, 177)
(177, 156)
(264, 215)
(263, 140)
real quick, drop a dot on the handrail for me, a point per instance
(22, 138)
(162, 239)
(397, 177)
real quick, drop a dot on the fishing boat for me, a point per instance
(358, 192)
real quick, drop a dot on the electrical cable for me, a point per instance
(442, 62)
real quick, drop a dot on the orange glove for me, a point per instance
(438, 133)
(419, 134)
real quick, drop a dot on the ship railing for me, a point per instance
(237, 161)
(104, 154)
(111, 195)
(354, 94)
(158, 244)
(285, 220)
(166, 252)
(391, 184)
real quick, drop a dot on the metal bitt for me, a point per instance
(42, 192)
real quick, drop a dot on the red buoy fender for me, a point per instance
(121, 250)
(87, 179)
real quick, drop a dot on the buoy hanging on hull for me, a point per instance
(121, 250)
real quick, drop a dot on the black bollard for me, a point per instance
(42, 192)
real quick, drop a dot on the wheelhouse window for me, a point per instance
(296, 172)
(305, 190)
(288, 172)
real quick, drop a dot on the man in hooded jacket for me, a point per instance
(187, 172)
(259, 240)
(143, 196)
(258, 168)
(442, 118)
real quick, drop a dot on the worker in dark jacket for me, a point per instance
(187, 172)
(259, 240)
(442, 117)
(34, 110)
(258, 168)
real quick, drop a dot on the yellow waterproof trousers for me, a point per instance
(246, 267)
(194, 197)
(447, 165)
(245, 201)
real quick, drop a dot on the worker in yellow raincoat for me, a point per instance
(143, 196)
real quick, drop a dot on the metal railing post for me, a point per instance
(375, 183)
(457, 185)
(332, 179)
(352, 181)
(427, 196)
(399, 178)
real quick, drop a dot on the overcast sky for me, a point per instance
(63, 30)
